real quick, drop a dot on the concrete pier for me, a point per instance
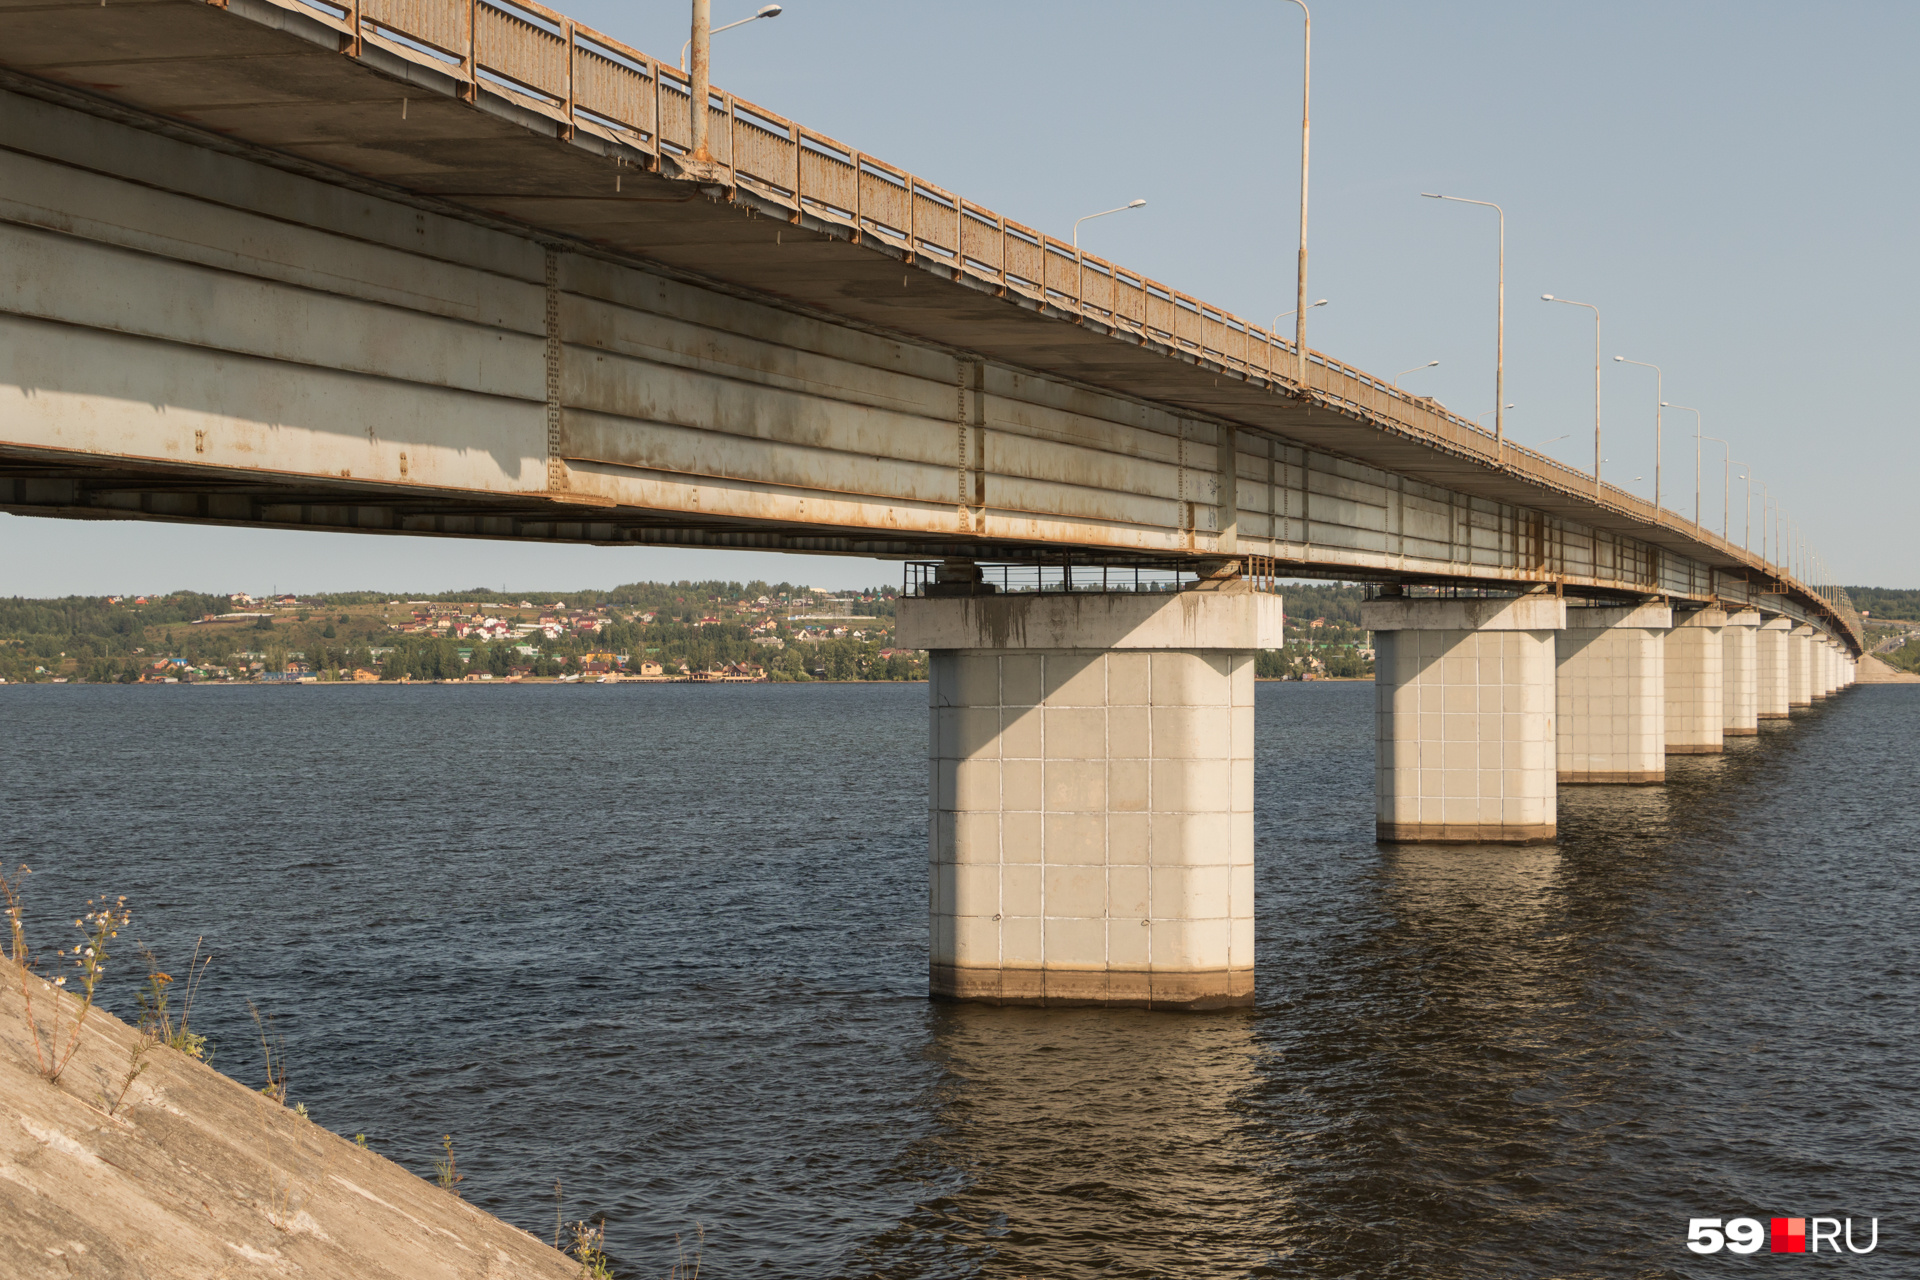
(1464, 704)
(1610, 694)
(1092, 794)
(1695, 703)
(1739, 674)
(1770, 654)
(1800, 666)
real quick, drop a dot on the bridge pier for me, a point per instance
(1092, 794)
(1770, 653)
(1464, 704)
(1739, 674)
(1695, 667)
(1800, 666)
(1610, 693)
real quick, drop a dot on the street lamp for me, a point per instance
(1696, 454)
(765, 11)
(1726, 481)
(1274, 334)
(1659, 385)
(1417, 368)
(1131, 204)
(1079, 263)
(1306, 103)
(1746, 535)
(1500, 329)
(1547, 297)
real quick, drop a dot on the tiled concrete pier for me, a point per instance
(1695, 701)
(1092, 794)
(1739, 674)
(1800, 666)
(1611, 693)
(1770, 650)
(1464, 713)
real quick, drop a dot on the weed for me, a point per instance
(274, 1046)
(556, 1213)
(360, 1141)
(589, 1247)
(684, 1267)
(97, 928)
(137, 1062)
(444, 1170)
(156, 1011)
(22, 959)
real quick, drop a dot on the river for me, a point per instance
(667, 944)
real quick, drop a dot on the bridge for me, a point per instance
(457, 268)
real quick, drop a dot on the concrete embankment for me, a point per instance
(196, 1176)
(1874, 671)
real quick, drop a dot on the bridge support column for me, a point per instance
(1464, 703)
(1695, 701)
(1800, 667)
(1739, 674)
(1770, 660)
(1092, 794)
(1829, 665)
(1610, 694)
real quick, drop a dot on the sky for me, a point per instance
(1730, 184)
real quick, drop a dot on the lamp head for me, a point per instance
(1618, 359)
(768, 11)
(1312, 305)
(1546, 297)
(1135, 204)
(1431, 195)
(1666, 404)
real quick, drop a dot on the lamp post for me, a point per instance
(1500, 324)
(1726, 480)
(1746, 534)
(1131, 204)
(1417, 368)
(765, 11)
(1275, 332)
(1659, 391)
(1547, 297)
(1300, 282)
(1696, 456)
(1079, 263)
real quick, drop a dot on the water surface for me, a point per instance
(667, 944)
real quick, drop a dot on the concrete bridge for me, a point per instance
(448, 267)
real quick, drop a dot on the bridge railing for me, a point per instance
(589, 82)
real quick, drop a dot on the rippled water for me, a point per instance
(668, 945)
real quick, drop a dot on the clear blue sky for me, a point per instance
(1732, 184)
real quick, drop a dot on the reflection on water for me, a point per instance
(685, 970)
(1088, 1142)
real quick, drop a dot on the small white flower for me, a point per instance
(59, 982)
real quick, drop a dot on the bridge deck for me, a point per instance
(511, 117)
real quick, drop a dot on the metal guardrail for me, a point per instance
(589, 82)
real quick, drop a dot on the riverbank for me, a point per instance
(195, 1175)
